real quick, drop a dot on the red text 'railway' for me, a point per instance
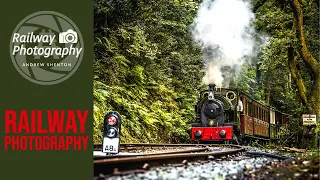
(42, 127)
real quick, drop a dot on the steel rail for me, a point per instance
(141, 145)
(149, 154)
(162, 156)
(114, 164)
(144, 145)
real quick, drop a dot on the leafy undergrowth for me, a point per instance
(144, 118)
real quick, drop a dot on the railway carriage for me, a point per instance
(229, 115)
(279, 124)
(254, 119)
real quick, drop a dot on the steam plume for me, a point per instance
(222, 30)
(213, 75)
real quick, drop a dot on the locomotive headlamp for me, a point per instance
(198, 134)
(211, 122)
(222, 133)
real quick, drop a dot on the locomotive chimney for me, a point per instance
(211, 87)
(211, 91)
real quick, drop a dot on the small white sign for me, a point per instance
(110, 145)
(309, 119)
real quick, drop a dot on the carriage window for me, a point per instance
(245, 108)
(260, 113)
(256, 111)
(267, 114)
(243, 104)
(253, 109)
(249, 108)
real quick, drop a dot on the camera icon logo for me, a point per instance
(69, 36)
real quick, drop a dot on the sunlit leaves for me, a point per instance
(146, 67)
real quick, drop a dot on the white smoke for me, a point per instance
(224, 26)
(213, 75)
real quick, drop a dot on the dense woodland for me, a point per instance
(148, 68)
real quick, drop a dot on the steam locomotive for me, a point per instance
(229, 115)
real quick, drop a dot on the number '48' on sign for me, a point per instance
(110, 145)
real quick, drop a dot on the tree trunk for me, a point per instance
(297, 78)
(311, 99)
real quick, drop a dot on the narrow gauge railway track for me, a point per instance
(131, 146)
(152, 149)
(117, 165)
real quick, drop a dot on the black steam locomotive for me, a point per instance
(228, 115)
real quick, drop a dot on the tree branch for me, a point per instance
(297, 78)
(306, 56)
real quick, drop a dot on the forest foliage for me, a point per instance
(148, 68)
(286, 73)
